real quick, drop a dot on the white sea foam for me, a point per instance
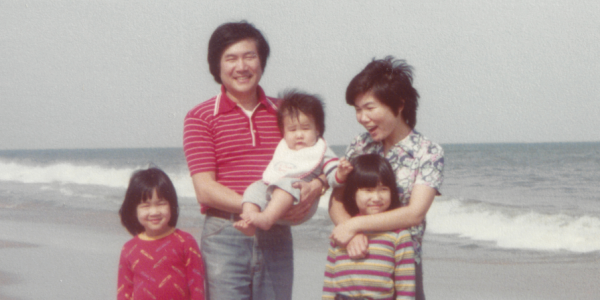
(67, 173)
(514, 230)
(64, 173)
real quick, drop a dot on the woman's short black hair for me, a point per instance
(295, 102)
(228, 34)
(390, 81)
(369, 170)
(142, 185)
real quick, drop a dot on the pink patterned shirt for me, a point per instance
(167, 268)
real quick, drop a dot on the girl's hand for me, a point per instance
(358, 247)
(343, 233)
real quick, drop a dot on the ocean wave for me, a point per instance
(507, 227)
(514, 229)
(67, 173)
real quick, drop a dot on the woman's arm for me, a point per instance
(413, 214)
(337, 212)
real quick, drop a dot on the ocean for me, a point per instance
(540, 198)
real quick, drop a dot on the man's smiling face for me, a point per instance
(241, 69)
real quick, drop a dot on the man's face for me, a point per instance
(241, 69)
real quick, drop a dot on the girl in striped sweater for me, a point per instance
(387, 272)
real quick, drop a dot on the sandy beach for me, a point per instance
(51, 252)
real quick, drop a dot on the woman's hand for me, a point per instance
(343, 233)
(309, 193)
(358, 247)
(357, 244)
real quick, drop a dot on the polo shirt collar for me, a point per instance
(224, 104)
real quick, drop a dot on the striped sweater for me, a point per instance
(388, 272)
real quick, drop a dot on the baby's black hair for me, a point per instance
(295, 102)
(369, 170)
(142, 185)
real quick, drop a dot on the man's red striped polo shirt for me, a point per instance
(218, 136)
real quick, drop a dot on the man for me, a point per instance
(228, 142)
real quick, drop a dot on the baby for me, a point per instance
(302, 154)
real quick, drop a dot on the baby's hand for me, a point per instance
(344, 168)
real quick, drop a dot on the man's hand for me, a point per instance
(309, 193)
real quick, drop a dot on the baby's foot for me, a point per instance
(245, 227)
(259, 220)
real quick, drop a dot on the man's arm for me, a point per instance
(211, 193)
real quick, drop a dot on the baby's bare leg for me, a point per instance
(281, 202)
(245, 224)
(248, 207)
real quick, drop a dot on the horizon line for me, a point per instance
(337, 145)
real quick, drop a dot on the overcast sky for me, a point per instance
(113, 74)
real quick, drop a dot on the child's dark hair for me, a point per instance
(295, 102)
(369, 170)
(142, 185)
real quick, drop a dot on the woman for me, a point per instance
(386, 105)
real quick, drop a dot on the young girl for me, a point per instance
(388, 270)
(160, 262)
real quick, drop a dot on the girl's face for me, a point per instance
(378, 119)
(154, 214)
(299, 132)
(373, 200)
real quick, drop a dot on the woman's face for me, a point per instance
(378, 119)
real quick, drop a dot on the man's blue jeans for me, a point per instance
(239, 267)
